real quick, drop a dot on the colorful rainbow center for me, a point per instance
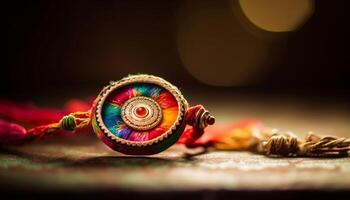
(140, 112)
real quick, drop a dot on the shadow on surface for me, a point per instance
(99, 161)
(123, 161)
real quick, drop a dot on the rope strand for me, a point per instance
(287, 144)
(11, 133)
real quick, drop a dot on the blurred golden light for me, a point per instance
(277, 15)
(214, 47)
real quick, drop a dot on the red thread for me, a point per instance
(47, 118)
(192, 131)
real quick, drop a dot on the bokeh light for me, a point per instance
(277, 15)
(214, 47)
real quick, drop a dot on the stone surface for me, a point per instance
(90, 165)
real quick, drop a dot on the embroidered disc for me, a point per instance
(139, 114)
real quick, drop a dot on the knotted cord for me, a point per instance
(275, 143)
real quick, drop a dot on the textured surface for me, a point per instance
(72, 166)
(83, 163)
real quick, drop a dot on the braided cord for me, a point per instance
(275, 143)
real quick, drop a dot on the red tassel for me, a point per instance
(32, 115)
(11, 133)
(28, 113)
(46, 118)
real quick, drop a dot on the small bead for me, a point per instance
(68, 123)
(141, 111)
(211, 120)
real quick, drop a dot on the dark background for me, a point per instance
(64, 47)
(57, 50)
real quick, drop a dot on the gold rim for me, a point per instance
(142, 78)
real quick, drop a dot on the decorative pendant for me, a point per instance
(142, 114)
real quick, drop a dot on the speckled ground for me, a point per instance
(92, 166)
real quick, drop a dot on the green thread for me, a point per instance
(68, 123)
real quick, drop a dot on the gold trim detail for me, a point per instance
(151, 120)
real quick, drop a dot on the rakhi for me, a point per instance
(145, 114)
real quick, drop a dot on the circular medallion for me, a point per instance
(140, 114)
